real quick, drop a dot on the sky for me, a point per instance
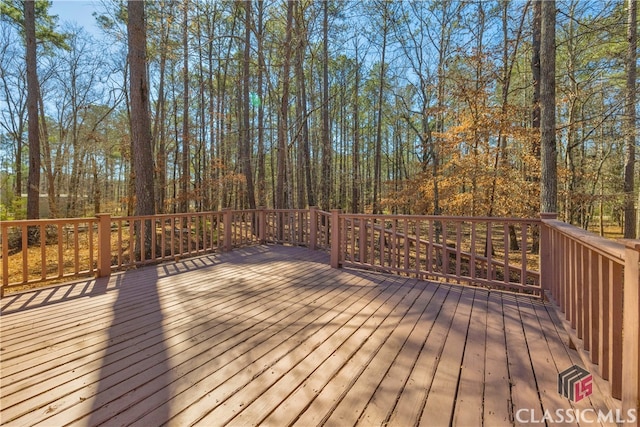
(77, 11)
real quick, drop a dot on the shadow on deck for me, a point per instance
(271, 335)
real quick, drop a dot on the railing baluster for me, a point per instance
(373, 240)
(616, 327)
(489, 251)
(43, 253)
(444, 252)
(472, 260)
(579, 298)
(90, 237)
(505, 241)
(418, 225)
(523, 253)
(60, 253)
(587, 262)
(605, 319)
(458, 250)
(592, 320)
(407, 246)
(76, 252)
(25, 253)
(5, 258)
(430, 247)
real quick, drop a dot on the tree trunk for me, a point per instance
(140, 120)
(549, 179)
(185, 177)
(325, 201)
(630, 119)
(33, 180)
(377, 160)
(535, 69)
(246, 106)
(49, 170)
(282, 155)
(355, 190)
(302, 109)
(262, 175)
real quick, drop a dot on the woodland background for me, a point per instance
(425, 107)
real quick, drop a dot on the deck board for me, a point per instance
(469, 402)
(271, 335)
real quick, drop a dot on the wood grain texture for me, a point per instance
(271, 335)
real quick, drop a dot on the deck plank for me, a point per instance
(524, 392)
(283, 400)
(470, 399)
(497, 387)
(218, 390)
(441, 399)
(357, 397)
(563, 357)
(357, 355)
(271, 335)
(193, 354)
(411, 402)
(381, 404)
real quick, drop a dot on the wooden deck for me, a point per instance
(274, 336)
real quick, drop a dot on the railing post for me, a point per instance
(104, 245)
(335, 238)
(5, 259)
(313, 227)
(545, 251)
(226, 221)
(630, 334)
(262, 225)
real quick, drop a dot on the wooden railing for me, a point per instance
(594, 283)
(48, 250)
(493, 252)
(497, 253)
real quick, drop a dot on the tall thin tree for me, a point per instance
(33, 180)
(141, 144)
(377, 168)
(549, 153)
(245, 142)
(185, 178)
(282, 186)
(630, 121)
(325, 192)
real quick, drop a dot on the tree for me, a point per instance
(304, 151)
(142, 152)
(549, 154)
(245, 137)
(185, 177)
(535, 67)
(33, 180)
(282, 199)
(630, 121)
(355, 189)
(325, 199)
(385, 11)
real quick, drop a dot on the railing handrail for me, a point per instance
(610, 248)
(595, 286)
(46, 221)
(454, 218)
